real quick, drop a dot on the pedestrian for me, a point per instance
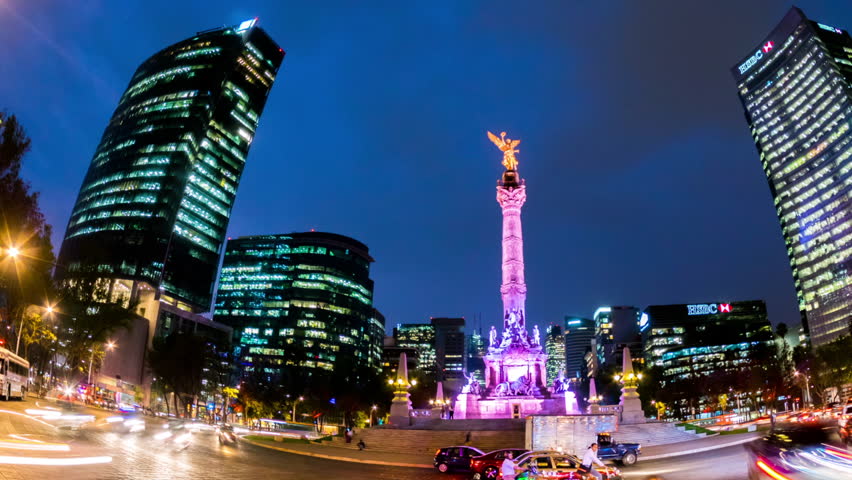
(452, 411)
(361, 444)
(467, 438)
(590, 459)
(348, 435)
(508, 468)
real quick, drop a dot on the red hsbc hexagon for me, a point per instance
(724, 308)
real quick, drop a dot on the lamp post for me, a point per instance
(372, 411)
(295, 402)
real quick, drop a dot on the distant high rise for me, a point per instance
(304, 294)
(615, 327)
(449, 346)
(154, 206)
(440, 345)
(579, 333)
(796, 89)
(554, 345)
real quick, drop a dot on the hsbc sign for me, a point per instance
(758, 55)
(708, 308)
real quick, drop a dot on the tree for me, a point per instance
(178, 361)
(25, 278)
(91, 313)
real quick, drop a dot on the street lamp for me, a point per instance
(295, 402)
(13, 252)
(372, 411)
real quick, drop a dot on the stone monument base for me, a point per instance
(471, 406)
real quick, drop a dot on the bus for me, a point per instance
(14, 375)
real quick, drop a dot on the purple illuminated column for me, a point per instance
(511, 195)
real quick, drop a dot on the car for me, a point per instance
(455, 458)
(799, 451)
(226, 434)
(624, 453)
(488, 466)
(552, 465)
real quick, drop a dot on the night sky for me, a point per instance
(643, 184)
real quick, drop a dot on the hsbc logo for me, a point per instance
(758, 55)
(708, 308)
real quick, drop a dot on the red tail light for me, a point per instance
(767, 469)
(437, 452)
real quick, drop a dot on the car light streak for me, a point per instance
(7, 460)
(27, 416)
(30, 445)
(770, 471)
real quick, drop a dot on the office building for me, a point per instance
(303, 299)
(796, 89)
(579, 333)
(685, 341)
(554, 346)
(449, 347)
(153, 208)
(421, 338)
(155, 203)
(615, 328)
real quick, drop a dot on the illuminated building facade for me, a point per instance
(615, 328)
(303, 299)
(420, 337)
(796, 90)
(440, 346)
(155, 203)
(554, 346)
(702, 339)
(579, 333)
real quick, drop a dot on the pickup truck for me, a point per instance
(624, 453)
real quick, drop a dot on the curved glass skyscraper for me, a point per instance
(155, 203)
(303, 299)
(795, 88)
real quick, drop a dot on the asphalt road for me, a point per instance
(142, 456)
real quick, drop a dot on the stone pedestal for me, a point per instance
(631, 413)
(400, 411)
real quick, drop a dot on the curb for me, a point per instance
(699, 450)
(334, 457)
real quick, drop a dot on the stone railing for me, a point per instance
(421, 412)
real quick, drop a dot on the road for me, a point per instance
(142, 456)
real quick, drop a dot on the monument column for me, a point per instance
(511, 195)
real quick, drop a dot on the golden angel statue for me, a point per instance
(507, 146)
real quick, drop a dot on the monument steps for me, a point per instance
(648, 434)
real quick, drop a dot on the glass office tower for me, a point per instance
(795, 89)
(155, 203)
(304, 294)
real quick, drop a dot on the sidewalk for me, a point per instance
(329, 452)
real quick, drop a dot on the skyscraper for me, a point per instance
(795, 88)
(615, 328)
(554, 345)
(579, 333)
(303, 299)
(155, 203)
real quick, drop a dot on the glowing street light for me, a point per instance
(295, 402)
(13, 252)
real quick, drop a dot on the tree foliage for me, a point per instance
(26, 278)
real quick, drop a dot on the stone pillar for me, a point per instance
(631, 404)
(400, 411)
(511, 195)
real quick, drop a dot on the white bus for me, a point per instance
(14, 375)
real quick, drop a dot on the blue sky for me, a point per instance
(644, 186)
